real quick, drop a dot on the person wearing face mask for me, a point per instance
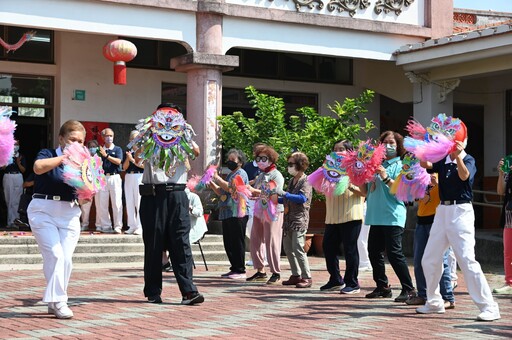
(343, 221)
(111, 155)
(132, 180)
(93, 147)
(13, 185)
(297, 201)
(54, 217)
(233, 225)
(263, 232)
(386, 216)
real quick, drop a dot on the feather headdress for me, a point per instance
(362, 164)
(7, 127)
(412, 182)
(265, 208)
(165, 138)
(83, 171)
(331, 178)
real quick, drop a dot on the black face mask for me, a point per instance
(231, 165)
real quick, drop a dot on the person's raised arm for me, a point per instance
(44, 165)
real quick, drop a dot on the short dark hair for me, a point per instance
(399, 139)
(346, 144)
(170, 106)
(300, 159)
(239, 154)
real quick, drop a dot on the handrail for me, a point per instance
(485, 201)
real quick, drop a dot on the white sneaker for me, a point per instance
(138, 231)
(429, 309)
(489, 315)
(118, 230)
(134, 231)
(506, 289)
(365, 269)
(60, 310)
(130, 231)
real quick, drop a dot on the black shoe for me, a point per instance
(192, 299)
(257, 277)
(154, 299)
(167, 267)
(332, 286)
(274, 279)
(380, 292)
(406, 295)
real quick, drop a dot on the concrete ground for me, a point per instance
(108, 304)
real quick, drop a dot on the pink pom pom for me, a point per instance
(7, 128)
(436, 150)
(192, 183)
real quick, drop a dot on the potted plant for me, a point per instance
(307, 131)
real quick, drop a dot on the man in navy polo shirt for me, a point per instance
(111, 156)
(454, 225)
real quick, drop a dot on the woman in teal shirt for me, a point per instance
(386, 216)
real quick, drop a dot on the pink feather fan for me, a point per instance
(412, 182)
(83, 171)
(196, 184)
(7, 127)
(362, 164)
(240, 194)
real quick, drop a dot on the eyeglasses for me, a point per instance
(291, 164)
(261, 159)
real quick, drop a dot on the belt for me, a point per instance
(170, 187)
(111, 173)
(51, 198)
(13, 172)
(134, 172)
(454, 202)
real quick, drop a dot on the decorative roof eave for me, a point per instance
(457, 49)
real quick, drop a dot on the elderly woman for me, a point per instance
(343, 221)
(233, 225)
(264, 232)
(297, 201)
(386, 216)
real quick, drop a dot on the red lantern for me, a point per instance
(119, 51)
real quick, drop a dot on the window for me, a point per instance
(39, 49)
(292, 66)
(28, 96)
(155, 54)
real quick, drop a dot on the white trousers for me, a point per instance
(132, 199)
(86, 212)
(13, 188)
(362, 244)
(113, 191)
(56, 228)
(455, 225)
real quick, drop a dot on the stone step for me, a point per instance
(107, 257)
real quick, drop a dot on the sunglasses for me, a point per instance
(261, 159)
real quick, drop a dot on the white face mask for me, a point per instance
(263, 165)
(109, 139)
(292, 171)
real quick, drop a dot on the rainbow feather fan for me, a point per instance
(362, 164)
(412, 182)
(7, 127)
(197, 184)
(330, 179)
(265, 208)
(240, 194)
(83, 171)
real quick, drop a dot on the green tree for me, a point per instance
(308, 131)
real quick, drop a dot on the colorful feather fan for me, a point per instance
(331, 178)
(196, 184)
(7, 127)
(265, 208)
(412, 182)
(362, 164)
(240, 194)
(165, 138)
(83, 171)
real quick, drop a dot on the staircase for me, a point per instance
(19, 250)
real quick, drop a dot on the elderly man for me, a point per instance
(112, 156)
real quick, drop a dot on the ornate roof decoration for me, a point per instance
(351, 6)
(392, 6)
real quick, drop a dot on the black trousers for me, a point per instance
(233, 235)
(166, 225)
(336, 234)
(389, 239)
